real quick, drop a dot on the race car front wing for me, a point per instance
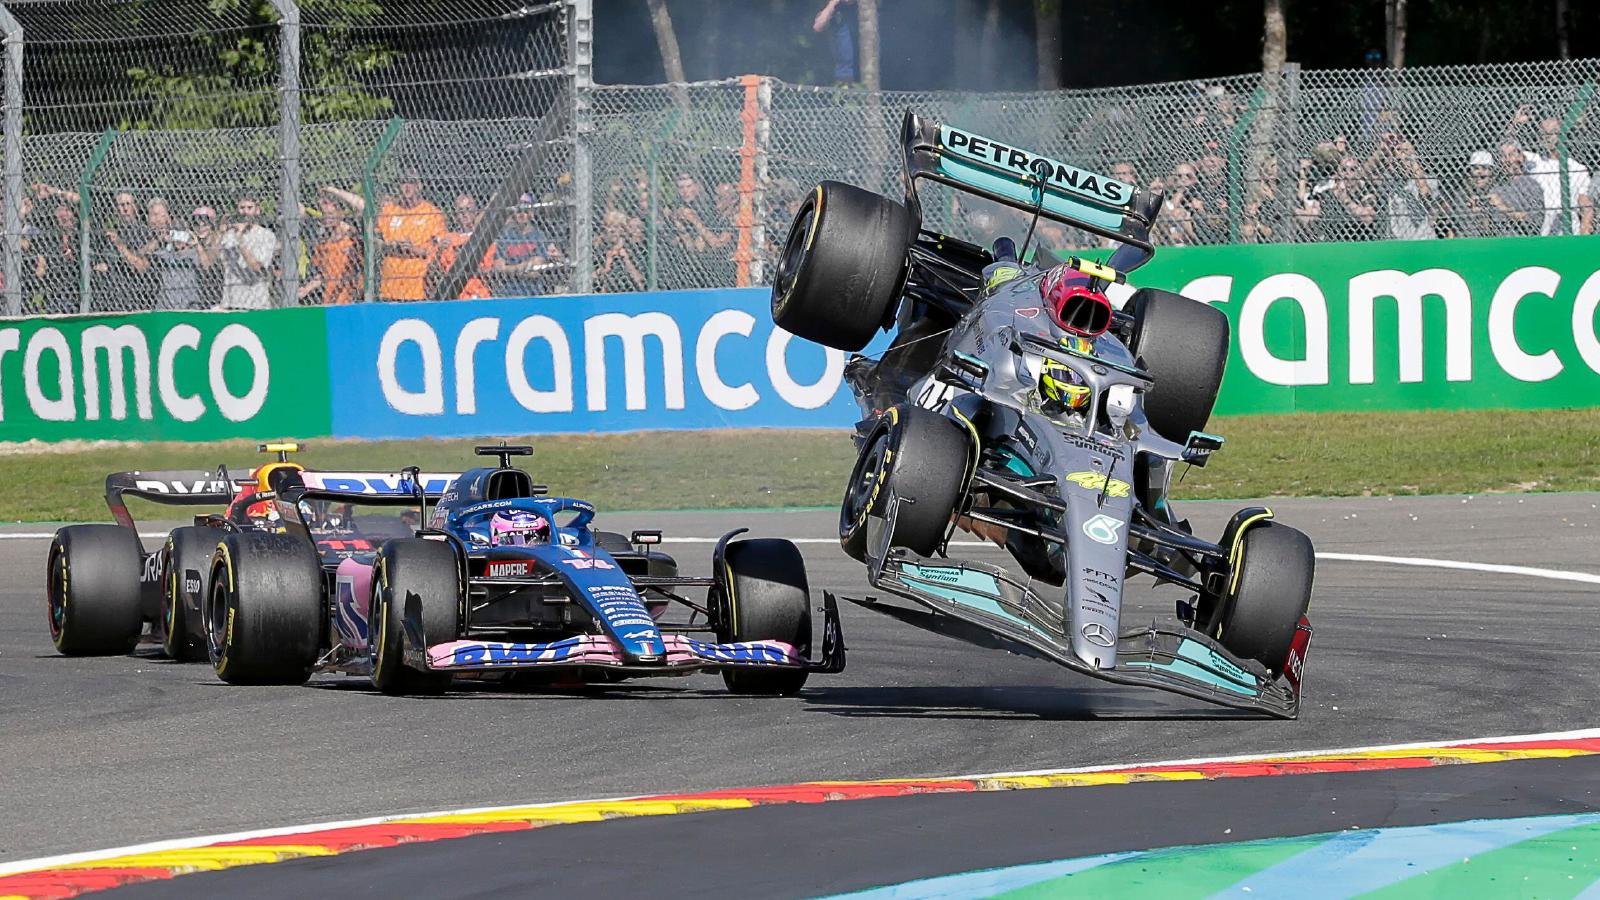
(984, 605)
(684, 654)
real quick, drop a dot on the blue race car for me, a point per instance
(503, 579)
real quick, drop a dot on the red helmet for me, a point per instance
(1072, 304)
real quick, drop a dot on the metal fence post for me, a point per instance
(1289, 175)
(580, 57)
(289, 147)
(13, 161)
(758, 200)
(102, 149)
(369, 209)
(1585, 94)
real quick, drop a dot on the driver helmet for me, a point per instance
(516, 527)
(1060, 388)
(274, 476)
(1076, 308)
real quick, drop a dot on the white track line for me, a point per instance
(50, 862)
(1416, 561)
(1529, 571)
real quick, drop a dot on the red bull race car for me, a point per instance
(503, 579)
(105, 590)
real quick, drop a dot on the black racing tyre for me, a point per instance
(1275, 570)
(264, 609)
(184, 587)
(612, 542)
(423, 575)
(1184, 345)
(843, 266)
(922, 457)
(93, 591)
(764, 597)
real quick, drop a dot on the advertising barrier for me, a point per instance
(1459, 324)
(1379, 326)
(164, 376)
(608, 362)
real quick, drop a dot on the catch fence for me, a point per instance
(197, 153)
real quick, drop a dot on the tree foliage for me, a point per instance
(231, 79)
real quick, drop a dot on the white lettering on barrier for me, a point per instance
(631, 330)
(239, 337)
(1408, 291)
(104, 353)
(115, 343)
(184, 409)
(1209, 289)
(559, 397)
(472, 334)
(10, 339)
(60, 408)
(1313, 369)
(1583, 330)
(719, 326)
(1518, 363)
(802, 396)
(430, 400)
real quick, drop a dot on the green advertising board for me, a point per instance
(1458, 324)
(164, 376)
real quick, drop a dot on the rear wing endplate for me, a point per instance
(1025, 181)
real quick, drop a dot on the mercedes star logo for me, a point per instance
(1096, 633)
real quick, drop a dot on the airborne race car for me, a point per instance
(1015, 403)
(414, 608)
(101, 585)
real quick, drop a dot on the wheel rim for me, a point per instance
(865, 480)
(169, 615)
(216, 617)
(794, 252)
(56, 594)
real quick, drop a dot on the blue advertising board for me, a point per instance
(617, 362)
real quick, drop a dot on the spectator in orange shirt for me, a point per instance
(408, 226)
(336, 260)
(467, 217)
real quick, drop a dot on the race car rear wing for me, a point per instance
(1025, 181)
(172, 487)
(405, 488)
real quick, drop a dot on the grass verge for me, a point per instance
(1330, 454)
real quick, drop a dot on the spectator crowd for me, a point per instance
(692, 226)
(151, 254)
(1375, 185)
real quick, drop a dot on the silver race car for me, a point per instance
(1016, 403)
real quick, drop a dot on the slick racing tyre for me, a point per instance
(420, 579)
(187, 576)
(919, 456)
(93, 590)
(1271, 592)
(764, 597)
(612, 542)
(264, 609)
(843, 266)
(1184, 345)
(656, 563)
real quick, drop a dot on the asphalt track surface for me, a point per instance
(106, 752)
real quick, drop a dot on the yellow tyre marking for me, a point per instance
(1236, 552)
(816, 217)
